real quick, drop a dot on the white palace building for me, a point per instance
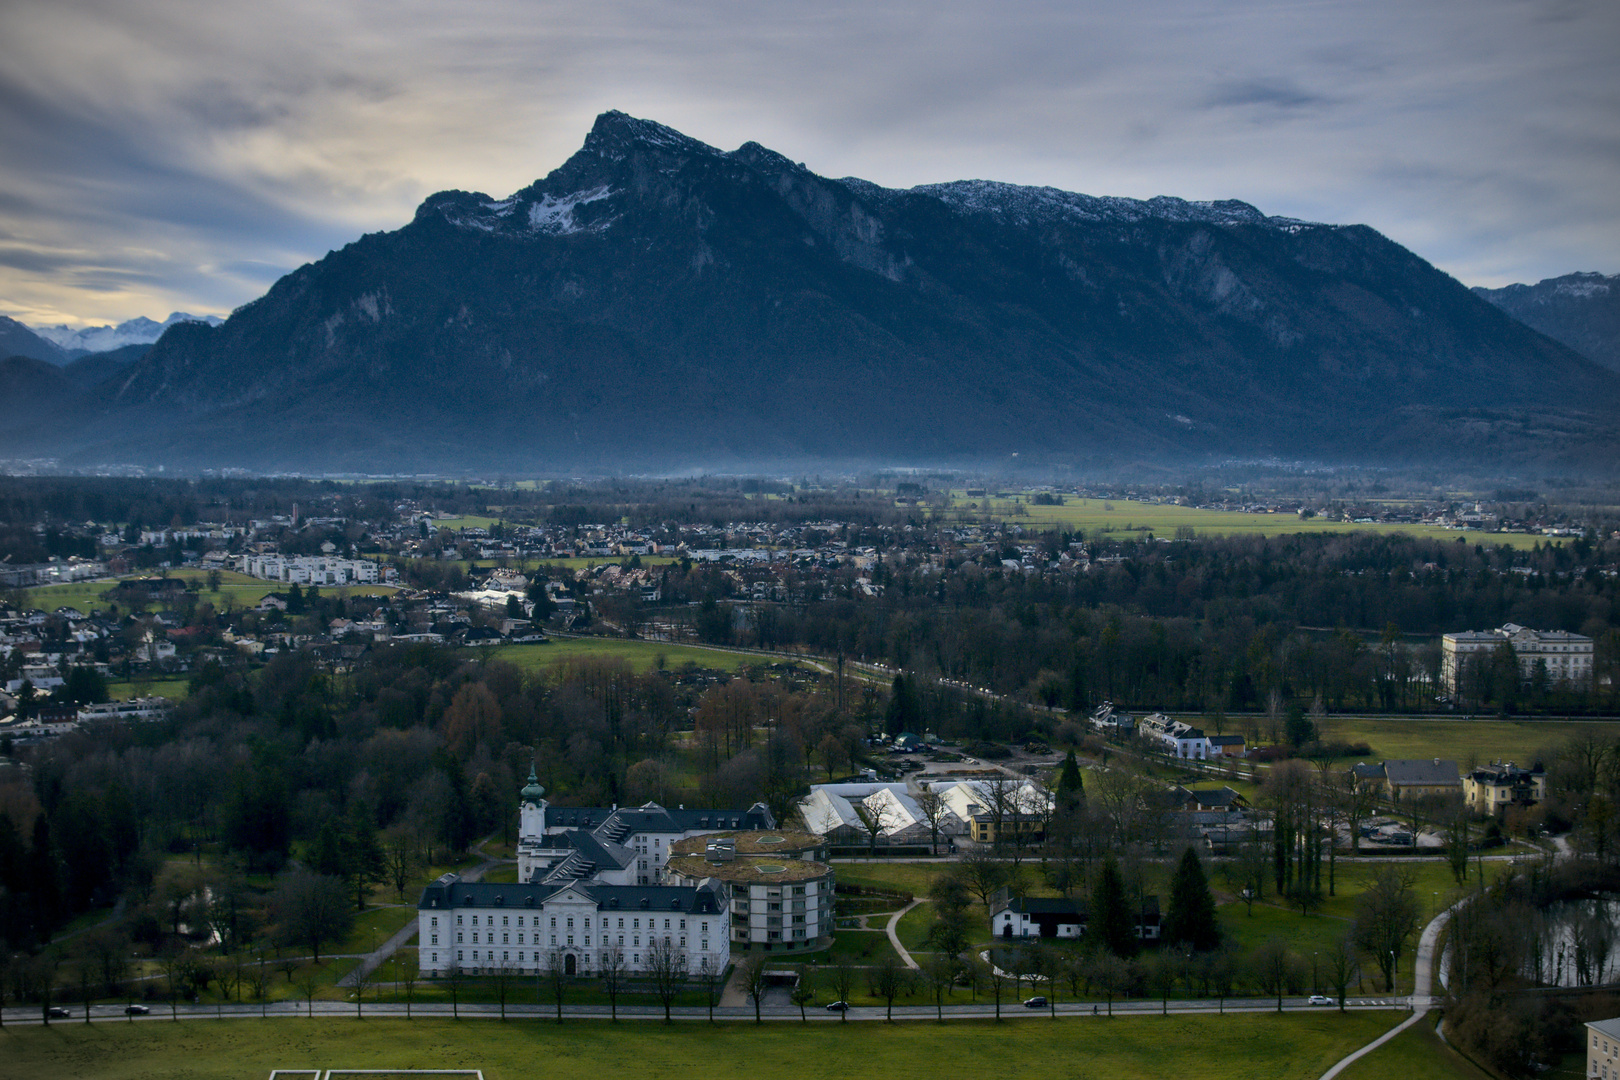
(1567, 657)
(590, 894)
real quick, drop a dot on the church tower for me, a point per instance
(532, 810)
(531, 827)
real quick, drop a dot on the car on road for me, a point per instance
(56, 1012)
(136, 1010)
(838, 1006)
(1319, 999)
(1036, 1002)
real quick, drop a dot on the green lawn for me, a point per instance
(641, 655)
(914, 878)
(863, 947)
(1298, 1046)
(376, 925)
(1129, 519)
(915, 925)
(1327, 924)
(1415, 1052)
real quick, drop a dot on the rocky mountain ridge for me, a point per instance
(656, 304)
(1581, 310)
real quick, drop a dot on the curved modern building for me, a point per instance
(779, 885)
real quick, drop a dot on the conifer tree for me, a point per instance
(1071, 787)
(1190, 917)
(1111, 918)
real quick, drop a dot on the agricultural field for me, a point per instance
(1295, 1046)
(1124, 519)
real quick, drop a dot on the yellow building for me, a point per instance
(1493, 788)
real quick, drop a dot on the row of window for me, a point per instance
(489, 939)
(635, 922)
(522, 957)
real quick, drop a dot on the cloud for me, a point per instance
(1271, 94)
(146, 144)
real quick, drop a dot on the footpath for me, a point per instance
(379, 956)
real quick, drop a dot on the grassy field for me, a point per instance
(1122, 518)
(913, 878)
(1487, 740)
(237, 589)
(1296, 1046)
(1415, 1052)
(1305, 934)
(641, 655)
(1317, 932)
(376, 925)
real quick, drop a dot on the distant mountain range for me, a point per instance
(1580, 310)
(658, 305)
(62, 344)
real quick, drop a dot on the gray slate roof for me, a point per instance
(451, 892)
(1427, 772)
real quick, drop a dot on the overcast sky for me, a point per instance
(158, 155)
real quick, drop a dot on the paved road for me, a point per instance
(1011, 1009)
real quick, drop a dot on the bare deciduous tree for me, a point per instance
(666, 964)
(1387, 917)
(615, 970)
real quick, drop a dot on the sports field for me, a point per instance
(641, 655)
(1124, 518)
(1294, 1046)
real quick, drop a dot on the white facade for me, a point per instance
(147, 708)
(482, 927)
(311, 569)
(1182, 739)
(1568, 657)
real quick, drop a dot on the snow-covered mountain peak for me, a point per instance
(1037, 205)
(137, 331)
(614, 133)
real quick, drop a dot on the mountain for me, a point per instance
(98, 339)
(1580, 310)
(34, 393)
(656, 304)
(93, 369)
(18, 340)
